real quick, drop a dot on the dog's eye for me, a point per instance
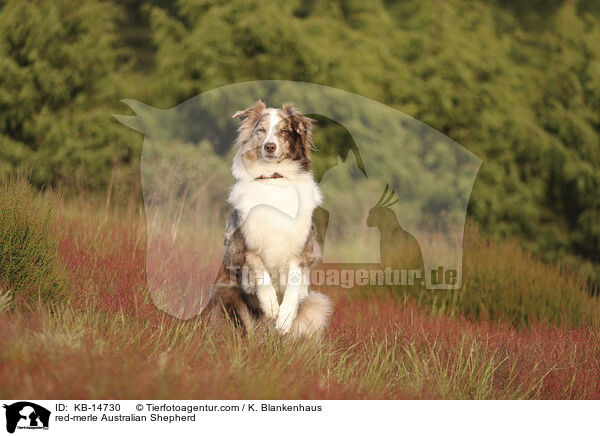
(261, 131)
(284, 132)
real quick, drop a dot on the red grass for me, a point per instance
(553, 353)
(109, 270)
(112, 342)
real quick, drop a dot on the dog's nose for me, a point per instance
(270, 147)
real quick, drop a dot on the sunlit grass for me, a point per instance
(109, 340)
(389, 351)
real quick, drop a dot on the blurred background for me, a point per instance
(517, 83)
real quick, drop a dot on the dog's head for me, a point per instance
(274, 137)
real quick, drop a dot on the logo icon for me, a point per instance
(26, 415)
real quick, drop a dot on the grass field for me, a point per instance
(77, 322)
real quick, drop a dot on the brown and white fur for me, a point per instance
(270, 228)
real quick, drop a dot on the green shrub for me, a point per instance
(29, 266)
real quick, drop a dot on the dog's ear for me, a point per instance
(301, 139)
(302, 125)
(252, 112)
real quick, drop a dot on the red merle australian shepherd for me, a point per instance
(270, 240)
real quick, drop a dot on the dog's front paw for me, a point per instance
(285, 319)
(268, 301)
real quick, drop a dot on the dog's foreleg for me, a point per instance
(267, 296)
(265, 292)
(296, 290)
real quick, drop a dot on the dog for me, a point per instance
(269, 233)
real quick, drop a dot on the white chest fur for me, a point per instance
(276, 216)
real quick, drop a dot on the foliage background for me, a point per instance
(516, 83)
